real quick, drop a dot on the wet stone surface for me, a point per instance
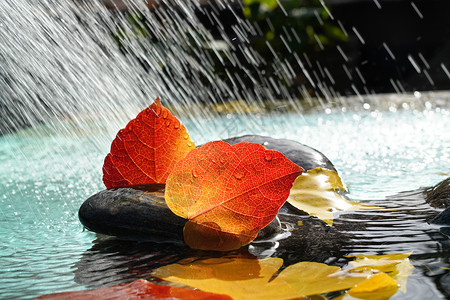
(141, 213)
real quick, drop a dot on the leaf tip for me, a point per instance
(209, 236)
(377, 287)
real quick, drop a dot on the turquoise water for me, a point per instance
(47, 172)
(377, 153)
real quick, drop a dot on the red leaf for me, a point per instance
(138, 289)
(228, 193)
(147, 149)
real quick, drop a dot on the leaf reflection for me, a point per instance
(261, 279)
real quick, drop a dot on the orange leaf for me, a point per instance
(147, 149)
(138, 289)
(228, 193)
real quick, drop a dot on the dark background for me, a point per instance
(417, 33)
(398, 25)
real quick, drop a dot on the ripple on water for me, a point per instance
(46, 178)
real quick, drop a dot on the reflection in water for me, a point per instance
(110, 261)
(400, 228)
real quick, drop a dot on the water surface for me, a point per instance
(47, 172)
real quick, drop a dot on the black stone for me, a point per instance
(443, 218)
(141, 212)
(439, 195)
(304, 156)
(132, 214)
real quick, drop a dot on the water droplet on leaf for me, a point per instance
(268, 156)
(167, 122)
(165, 113)
(239, 175)
(157, 111)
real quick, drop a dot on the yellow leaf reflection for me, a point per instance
(310, 278)
(314, 192)
(212, 270)
(367, 277)
(296, 281)
(397, 266)
(378, 287)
